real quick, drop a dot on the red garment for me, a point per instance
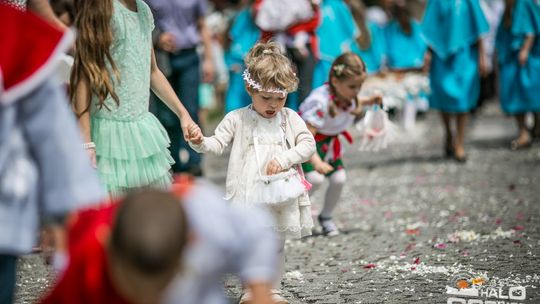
(28, 52)
(309, 26)
(86, 280)
(335, 143)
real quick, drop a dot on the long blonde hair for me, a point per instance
(94, 39)
(270, 68)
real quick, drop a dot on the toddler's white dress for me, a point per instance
(292, 219)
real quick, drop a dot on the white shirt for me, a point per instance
(314, 110)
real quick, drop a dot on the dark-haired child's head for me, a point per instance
(146, 243)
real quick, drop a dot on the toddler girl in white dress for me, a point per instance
(269, 142)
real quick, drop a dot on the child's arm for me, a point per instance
(217, 143)
(81, 106)
(525, 49)
(304, 144)
(318, 164)
(162, 88)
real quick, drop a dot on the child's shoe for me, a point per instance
(277, 298)
(329, 228)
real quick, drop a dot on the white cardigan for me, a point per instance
(237, 127)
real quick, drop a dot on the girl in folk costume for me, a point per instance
(112, 75)
(518, 50)
(452, 30)
(328, 111)
(268, 144)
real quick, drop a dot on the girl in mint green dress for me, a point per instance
(113, 73)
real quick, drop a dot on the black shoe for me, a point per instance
(329, 228)
(449, 152)
(461, 160)
(516, 145)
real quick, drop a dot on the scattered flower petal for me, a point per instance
(440, 246)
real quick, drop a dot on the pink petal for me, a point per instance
(440, 246)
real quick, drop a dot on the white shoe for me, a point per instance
(277, 298)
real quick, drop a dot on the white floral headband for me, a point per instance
(257, 86)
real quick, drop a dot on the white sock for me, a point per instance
(333, 193)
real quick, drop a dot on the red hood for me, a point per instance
(29, 52)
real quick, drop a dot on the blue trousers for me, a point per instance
(185, 79)
(8, 265)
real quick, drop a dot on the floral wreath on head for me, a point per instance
(338, 69)
(257, 86)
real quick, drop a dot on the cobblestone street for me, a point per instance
(412, 222)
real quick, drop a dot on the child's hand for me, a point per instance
(273, 167)
(195, 135)
(92, 155)
(323, 167)
(376, 99)
(186, 122)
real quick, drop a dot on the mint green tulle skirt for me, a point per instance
(132, 154)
